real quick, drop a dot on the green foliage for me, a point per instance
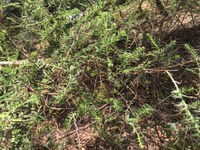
(101, 63)
(18, 109)
(189, 119)
(135, 117)
(195, 56)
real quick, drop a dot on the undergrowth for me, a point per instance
(111, 66)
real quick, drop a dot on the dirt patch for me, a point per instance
(80, 140)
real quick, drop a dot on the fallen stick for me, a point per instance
(15, 62)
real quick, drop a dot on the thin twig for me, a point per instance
(77, 132)
(15, 62)
(29, 58)
(74, 42)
